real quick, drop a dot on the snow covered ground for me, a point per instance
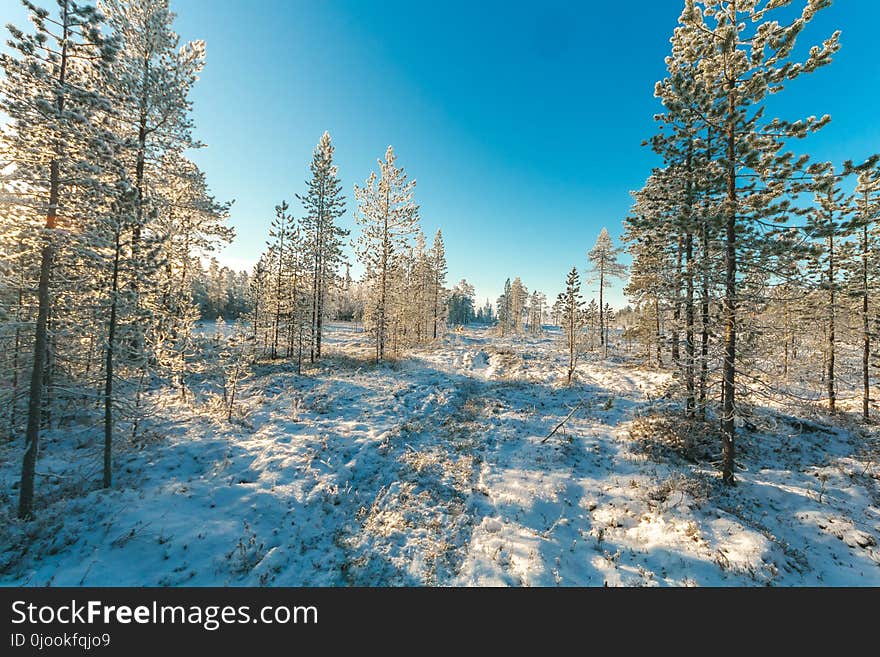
(433, 470)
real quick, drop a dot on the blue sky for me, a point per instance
(521, 122)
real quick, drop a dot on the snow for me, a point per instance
(433, 470)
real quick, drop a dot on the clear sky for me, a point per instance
(522, 122)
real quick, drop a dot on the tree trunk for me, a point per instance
(866, 334)
(689, 290)
(704, 297)
(41, 337)
(436, 297)
(601, 303)
(256, 319)
(32, 435)
(278, 281)
(571, 343)
(108, 367)
(16, 356)
(386, 253)
(689, 325)
(832, 395)
(676, 305)
(316, 283)
(137, 341)
(657, 336)
(728, 386)
(319, 329)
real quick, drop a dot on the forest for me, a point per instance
(343, 412)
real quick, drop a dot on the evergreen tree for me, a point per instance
(605, 266)
(865, 270)
(51, 94)
(517, 305)
(439, 269)
(461, 304)
(572, 315)
(739, 55)
(504, 309)
(324, 204)
(389, 217)
(536, 312)
(150, 86)
(825, 223)
(281, 232)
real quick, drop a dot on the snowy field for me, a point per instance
(433, 470)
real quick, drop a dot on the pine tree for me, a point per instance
(461, 303)
(150, 85)
(192, 224)
(572, 314)
(517, 305)
(439, 269)
(50, 94)
(118, 223)
(605, 266)
(825, 225)
(866, 275)
(505, 314)
(389, 217)
(259, 292)
(419, 299)
(486, 314)
(536, 312)
(324, 204)
(647, 285)
(743, 62)
(687, 150)
(281, 234)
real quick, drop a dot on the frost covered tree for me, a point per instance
(346, 301)
(504, 310)
(728, 56)
(419, 295)
(825, 226)
(193, 224)
(110, 216)
(536, 312)
(280, 291)
(486, 314)
(461, 304)
(324, 204)
(572, 317)
(748, 60)
(258, 292)
(234, 356)
(283, 232)
(519, 295)
(865, 268)
(512, 307)
(388, 216)
(680, 200)
(51, 94)
(647, 284)
(604, 266)
(438, 281)
(150, 85)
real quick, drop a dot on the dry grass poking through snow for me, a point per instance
(433, 470)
